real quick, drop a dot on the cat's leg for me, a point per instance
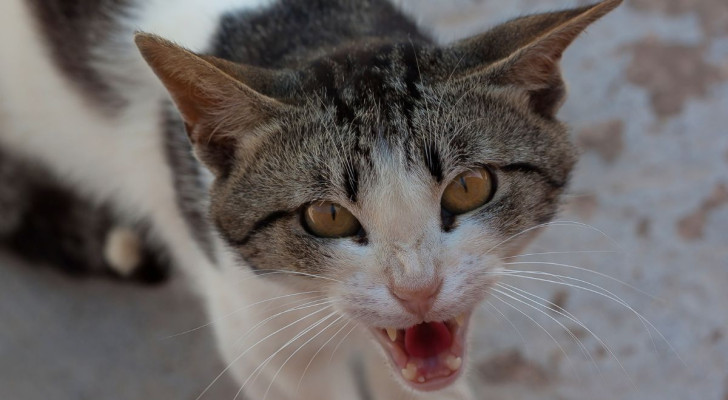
(44, 220)
(109, 169)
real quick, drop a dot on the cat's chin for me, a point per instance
(428, 356)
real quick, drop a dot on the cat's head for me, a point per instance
(394, 176)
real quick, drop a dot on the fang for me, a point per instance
(453, 362)
(410, 373)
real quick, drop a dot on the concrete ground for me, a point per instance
(649, 107)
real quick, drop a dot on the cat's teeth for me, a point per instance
(460, 319)
(410, 373)
(392, 333)
(454, 363)
(421, 379)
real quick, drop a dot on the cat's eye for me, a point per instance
(468, 191)
(330, 220)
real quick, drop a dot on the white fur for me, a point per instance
(121, 160)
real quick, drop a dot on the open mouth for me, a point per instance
(429, 355)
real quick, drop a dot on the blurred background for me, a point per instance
(648, 207)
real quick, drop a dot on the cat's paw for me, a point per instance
(127, 255)
(123, 251)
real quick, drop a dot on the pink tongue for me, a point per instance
(427, 340)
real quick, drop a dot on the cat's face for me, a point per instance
(395, 177)
(424, 201)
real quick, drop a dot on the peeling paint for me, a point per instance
(713, 14)
(691, 226)
(513, 367)
(605, 139)
(671, 73)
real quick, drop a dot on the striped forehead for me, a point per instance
(386, 76)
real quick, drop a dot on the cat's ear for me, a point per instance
(220, 102)
(526, 52)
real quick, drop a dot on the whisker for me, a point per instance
(342, 341)
(314, 303)
(555, 308)
(236, 359)
(555, 223)
(344, 160)
(259, 368)
(537, 324)
(447, 82)
(507, 320)
(645, 321)
(237, 311)
(590, 227)
(419, 71)
(265, 395)
(318, 351)
(565, 313)
(262, 273)
(454, 106)
(561, 252)
(583, 348)
(466, 126)
(604, 292)
(282, 271)
(294, 303)
(603, 275)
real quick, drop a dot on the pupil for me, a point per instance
(465, 185)
(333, 212)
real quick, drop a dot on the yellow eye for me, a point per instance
(468, 191)
(330, 220)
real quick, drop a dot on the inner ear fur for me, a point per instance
(220, 102)
(526, 53)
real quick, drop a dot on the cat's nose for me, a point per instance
(418, 300)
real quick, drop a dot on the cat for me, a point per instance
(365, 183)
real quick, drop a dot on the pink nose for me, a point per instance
(417, 300)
